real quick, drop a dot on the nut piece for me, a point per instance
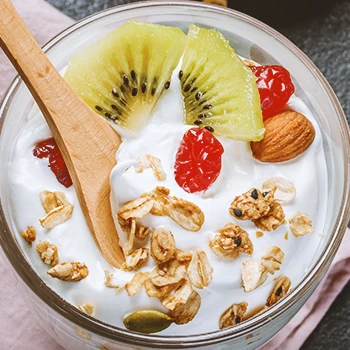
(168, 273)
(29, 235)
(48, 253)
(251, 205)
(186, 214)
(69, 271)
(230, 240)
(300, 224)
(136, 283)
(148, 161)
(287, 135)
(57, 216)
(280, 290)
(147, 321)
(273, 219)
(199, 270)
(233, 315)
(112, 282)
(136, 259)
(186, 312)
(177, 296)
(253, 275)
(162, 245)
(86, 308)
(161, 198)
(52, 200)
(136, 209)
(285, 190)
(272, 259)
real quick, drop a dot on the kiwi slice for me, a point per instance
(220, 92)
(122, 75)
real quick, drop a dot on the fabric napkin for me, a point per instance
(19, 329)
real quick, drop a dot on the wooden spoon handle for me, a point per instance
(88, 144)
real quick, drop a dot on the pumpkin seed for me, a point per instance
(147, 321)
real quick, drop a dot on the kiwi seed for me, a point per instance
(115, 93)
(167, 85)
(197, 122)
(133, 75)
(187, 88)
(125, 79)
(134, 92)
(153, 91)
(202, 116)
(181, 73)
(144, 87)
(209, 128)
(209, 106)
(98, 108)
(198, 95)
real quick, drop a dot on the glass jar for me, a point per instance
(251, 39)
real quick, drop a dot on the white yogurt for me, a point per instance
(161, 138)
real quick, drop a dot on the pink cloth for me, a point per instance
(18, 327)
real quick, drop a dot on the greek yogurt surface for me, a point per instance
(161, 138)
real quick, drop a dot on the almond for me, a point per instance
(287, 135)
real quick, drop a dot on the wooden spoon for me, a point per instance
(88, 144)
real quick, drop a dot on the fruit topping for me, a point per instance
(275, 88)
(123, 75)
(287, 135)
(198, 160)
(219, 91)
(49, 149)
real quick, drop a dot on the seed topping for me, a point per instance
(255, 194)
(209, 128)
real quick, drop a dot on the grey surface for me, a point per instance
(321, 28)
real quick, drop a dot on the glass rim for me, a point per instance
(70, 312)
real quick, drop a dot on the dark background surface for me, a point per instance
(321, 28)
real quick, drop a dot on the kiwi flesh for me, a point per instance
(122, 75)
(220, 92)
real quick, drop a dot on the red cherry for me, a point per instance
(275, 88)
(49, 149)
(198, 160)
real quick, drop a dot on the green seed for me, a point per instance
(147, 321)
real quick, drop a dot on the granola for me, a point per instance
(254, 275)
(199, 270)
(69, 271)
(136, 259)
(29, 234)
(162, 245)
(233, 315)
(48, 253)
(285, 190)
(136, 209)
(272, 259)
(136, 283)
(230, 241)
(186, 312)
(273, 219)
(148, 161)
(112, 282)
(168, 273)
(186, 214)
(177, 296)
(300, 224)
(154, 291)
(183, 257)
(251, 205)
(52, 200)
(86, 308)
(161, 198)
(57, 216)
(279, 291)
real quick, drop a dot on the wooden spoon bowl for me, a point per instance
(88, 144)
